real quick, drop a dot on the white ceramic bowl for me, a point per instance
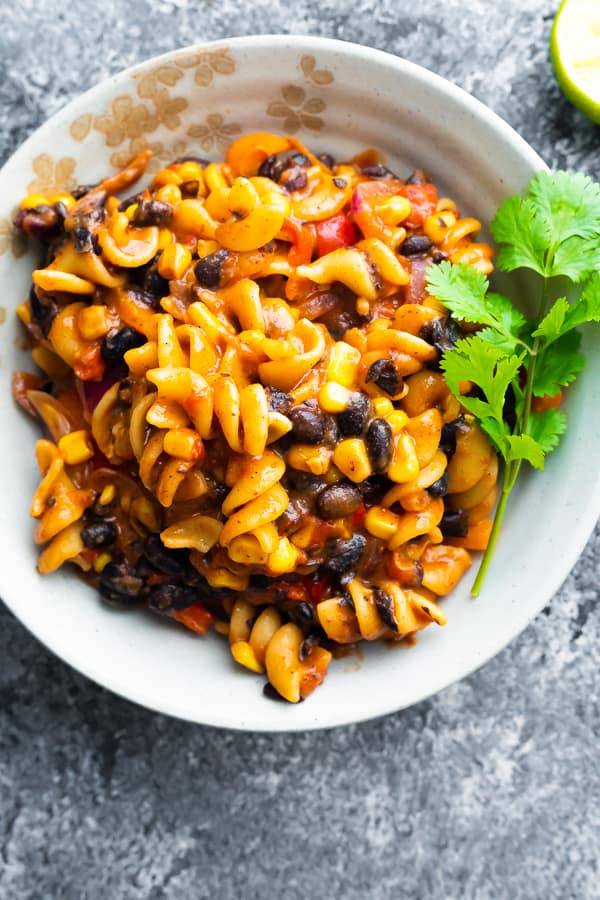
(337, 97)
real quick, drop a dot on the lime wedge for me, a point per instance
(575, 53)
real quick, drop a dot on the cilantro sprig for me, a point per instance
(553, 230)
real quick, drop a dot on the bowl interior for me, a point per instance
(338, 98)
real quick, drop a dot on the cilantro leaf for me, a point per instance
(464, 290)
(524, 447)
(516, 226)
(474, 359)
(575, 258)
(547, 427)
(553, 324)
(558, 365)
(567, 204)
(587, 308)
(496, 431)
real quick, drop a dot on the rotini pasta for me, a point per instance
(246, 422)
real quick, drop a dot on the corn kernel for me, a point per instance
(394, 210)
(94, 322)
(333, 397)
(351, 457)
(382, 406)
(436, 226)
(363, 306)
(108, 495)
(308, 458)
(224, 578)
(66, 199)
(397, 419)
(381, 522)
(278, 426)
(404, 465)
(101, 562)
(33, 200)
(283, 559)
(222, 628)
(243, 654)
(174, 261)
(343, 363)
(184, 443)
(169, 193)
(190, 171)
(76, 447)
(112, 205)
(166, 176)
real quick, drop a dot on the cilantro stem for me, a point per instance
(512, 469)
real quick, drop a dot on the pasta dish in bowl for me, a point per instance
(246, 437)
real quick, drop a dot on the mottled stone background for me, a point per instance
(491, 789)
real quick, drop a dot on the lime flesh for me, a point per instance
(575, 54)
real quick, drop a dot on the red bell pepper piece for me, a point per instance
(195, 617)
(423, 199)
(335, 232)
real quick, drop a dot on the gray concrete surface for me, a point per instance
(491, 789)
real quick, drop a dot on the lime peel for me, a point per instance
(575, 54)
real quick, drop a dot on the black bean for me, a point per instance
(379, 444)
(208, 269)
(417, 177)
(294, 516)
(438, 256)
(327, 159)
(385, 375)
(279, 401)
(295, 180)
(169, 562)
(414, 244)
(509, 410)
(273, 167)
(117, 343)
(455, 524)
(353, 420)
(119, 579)
(338, 500)
(305, 483)
(83, 239)
(155, 284)
(448, 435)
(43, 310)
(384, 603)
(439, 488)
(99, 534)
(169, 597)
(343, 556)
(42, 222)
(304, 611)
(308, 425)
(340, 183)
(307, 646)
(152, 212)
(81, 190)
(374, 488)
(259, 582)
(378, 171)
(441, 333)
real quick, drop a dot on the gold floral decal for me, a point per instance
(52, 176)
(154, 86)
(126, 121)
(317, 76)
(11, 239)
(2, 315)
(297, 110)
(207, 65)
(80, 127)
(215, 133)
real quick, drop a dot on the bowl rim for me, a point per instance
(587, 515)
